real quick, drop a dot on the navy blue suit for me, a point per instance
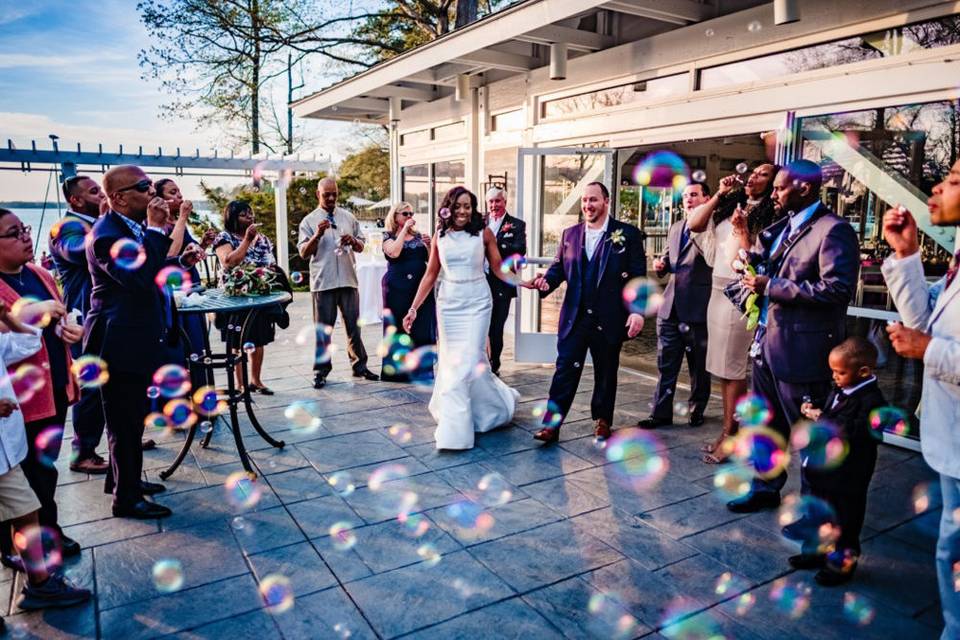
(69, 252)
(129, 327)
(593, 316)
(511, 240)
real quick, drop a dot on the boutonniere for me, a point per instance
(506, 227)
(618, 240)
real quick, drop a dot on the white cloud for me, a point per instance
(33, 60)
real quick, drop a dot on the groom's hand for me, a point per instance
(634, 325)
(541, 283)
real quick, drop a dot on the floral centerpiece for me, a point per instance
(249, 280)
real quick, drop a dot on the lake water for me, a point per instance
(41, 221)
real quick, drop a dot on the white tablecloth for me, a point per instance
(369, 274)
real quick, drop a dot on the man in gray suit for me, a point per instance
(682, 319)
(807, 264)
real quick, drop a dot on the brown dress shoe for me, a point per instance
(602, 430)
(94, 464)
(547, 435)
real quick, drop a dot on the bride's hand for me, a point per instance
(409, 319)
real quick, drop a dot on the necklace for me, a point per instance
(18, 275)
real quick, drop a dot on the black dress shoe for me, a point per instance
(653, 423)
(829, 577)
(142, 510)
(696, 419)
(366, 374)
(806, 561)
(148, 444)
(753, 502)
(151, 488)
(68, 546)
(319, 381)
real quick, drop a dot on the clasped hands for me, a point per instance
(70, 332)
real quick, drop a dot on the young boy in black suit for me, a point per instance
(844, 487)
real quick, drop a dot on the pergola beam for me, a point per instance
(493, 59)
(576, 39)
(414, 94)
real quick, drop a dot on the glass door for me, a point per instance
(550, 182)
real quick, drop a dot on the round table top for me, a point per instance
(217, 300)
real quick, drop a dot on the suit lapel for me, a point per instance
(943, 300)
(787, 245)
(125, 230)
(577, 237)
(604, 247)
(503, 223)
(674, 247)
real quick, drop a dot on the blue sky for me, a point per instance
(70, 68)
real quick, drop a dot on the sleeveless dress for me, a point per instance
(467, 397)
(399, 287)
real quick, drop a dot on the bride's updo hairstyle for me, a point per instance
(474, 227)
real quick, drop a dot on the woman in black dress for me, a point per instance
(407, 251)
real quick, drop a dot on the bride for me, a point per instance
(467, 397)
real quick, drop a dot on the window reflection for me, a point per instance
(644, 90)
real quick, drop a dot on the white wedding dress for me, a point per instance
(467, 397)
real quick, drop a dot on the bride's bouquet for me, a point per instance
(249, 280)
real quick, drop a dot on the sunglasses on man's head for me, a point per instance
(141, 186)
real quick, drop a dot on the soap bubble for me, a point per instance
(753, 411)
(429, 555)
(342, 536)
(47, 445)
(91, 371)
(167, 575)
(512, 267)
(276, 593)
(638, 457)
(413, 524)
(444, 213)
(28, 311)
(26, 380)
(420, 362)
(742, 167)
(791, 597)
(858, 609)
(342, 483)
(385, 474)
(470, 519)
(157, 421)
(893, 420)
(39, 537)
(206, 402)
(642, 295)
(128, 254)
(820, 444)
(172, 380)
(173, 277)
(662, 170)
(400, 433)
(302, 416)
(249, 347)
(68, 227)
(494, 490)
(733, 481)
(699, 175)
(809, 520)
(180, 413)
(296, 277)
(609, 618)
(709, 33)
(762, 448)
(242, 490)
(549, 413)
(754, 27)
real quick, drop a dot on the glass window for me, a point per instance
(501, 165)
(415, 137)
(453, 131)
(416, 191)
(508, 121)
(880, 44)
(644, 90)
(447, 175)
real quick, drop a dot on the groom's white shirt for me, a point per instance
(593, 237)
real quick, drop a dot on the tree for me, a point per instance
(366, 173)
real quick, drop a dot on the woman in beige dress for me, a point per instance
(729, 338)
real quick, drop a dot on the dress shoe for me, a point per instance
(148, 444)
(12, 562)
(151, 488)
(366, 374)
(830, 577)
(68, 546)
(798, 530)
(696, 418)
(755, 501)
(806, 561)
(54, 592)
(319, 381)
(142, 510)
(602, 429)
(547, 436)
(653, 423)
(93, 465)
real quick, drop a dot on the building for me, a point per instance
(547, 95)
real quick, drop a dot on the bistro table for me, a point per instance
(240, 311)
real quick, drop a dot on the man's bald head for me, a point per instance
(123, 186)
(327, 193)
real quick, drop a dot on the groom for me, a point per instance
(596, 258)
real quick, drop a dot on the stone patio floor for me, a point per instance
(575, 553)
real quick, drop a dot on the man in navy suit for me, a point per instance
(511, 235)
(68, 250)
(809, 262)
(596, 258)
(682, 319)
(132, 326)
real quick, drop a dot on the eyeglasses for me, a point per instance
(142, 186)
(18, 232)
(406, 214)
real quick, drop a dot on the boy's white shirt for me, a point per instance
(14, 347)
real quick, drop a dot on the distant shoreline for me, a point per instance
(16, 204)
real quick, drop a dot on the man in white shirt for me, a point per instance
(931, 332)
(329, 238)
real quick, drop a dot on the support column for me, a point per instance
(283, 234)
(472, 164)
(396, 183)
